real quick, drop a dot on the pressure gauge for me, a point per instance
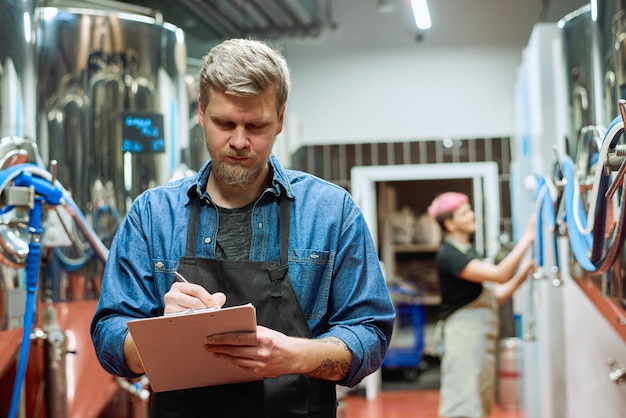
(56, 336)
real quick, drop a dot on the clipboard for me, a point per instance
(171, 347)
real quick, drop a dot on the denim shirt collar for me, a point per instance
(279, 181)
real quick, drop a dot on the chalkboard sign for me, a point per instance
(142, 132)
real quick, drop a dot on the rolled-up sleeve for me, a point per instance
(127, 293)
(361, 311)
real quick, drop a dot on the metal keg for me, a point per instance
(510, 373)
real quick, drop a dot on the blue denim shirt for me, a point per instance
(333, 264)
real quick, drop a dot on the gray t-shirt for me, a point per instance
(234, 234)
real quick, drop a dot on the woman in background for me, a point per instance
(471, 290)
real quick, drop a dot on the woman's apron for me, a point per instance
(267, 286)
(468, 364)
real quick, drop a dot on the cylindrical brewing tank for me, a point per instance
(595, 58)
(608, 23)
(17, 119)
(95, 68)
(612, 23)
(17, 69)
(582, 74)
(612, 18)
(112, 110)
(197, 154)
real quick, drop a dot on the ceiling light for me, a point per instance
(420, 12)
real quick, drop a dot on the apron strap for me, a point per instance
(192, 233)
(278, 274)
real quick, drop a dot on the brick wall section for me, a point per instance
(334, 162)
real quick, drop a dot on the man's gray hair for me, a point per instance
(244, 67)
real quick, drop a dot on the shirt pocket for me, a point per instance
(310, 272)
(163, 271)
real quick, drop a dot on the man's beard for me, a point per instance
(235, 175)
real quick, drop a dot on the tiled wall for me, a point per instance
(334, 162)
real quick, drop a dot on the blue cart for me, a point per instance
(407, 341)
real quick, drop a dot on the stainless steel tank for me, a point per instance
(607, 27)
(17, 119)
(611, 21)
(196, 154)
(595, 64)
(582, 72)
(17, 69)
(112, 109)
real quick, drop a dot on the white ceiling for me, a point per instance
(360, 24)
(456, 23)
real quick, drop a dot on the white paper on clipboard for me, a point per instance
(171, 347)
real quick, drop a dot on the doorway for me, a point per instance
(484, 184)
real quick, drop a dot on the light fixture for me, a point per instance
(421, 14)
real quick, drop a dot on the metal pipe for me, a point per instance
(617, 240)
(240, 14)
(217, 21)
(274, 13)
(298, 12)
(622, 169)
(100, 249)
(249, 10)
(56, 373)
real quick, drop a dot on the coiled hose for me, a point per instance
(544, 210)
(30, 175)
(592, 250)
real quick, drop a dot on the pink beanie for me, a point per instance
(446, 202)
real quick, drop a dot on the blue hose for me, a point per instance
(21, 175)
(545, 213)
(45, 191)
(32, 274)
(549, 213)
(579, 243)
(541, 189)
(592, 250)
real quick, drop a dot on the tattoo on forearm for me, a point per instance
(330, 368)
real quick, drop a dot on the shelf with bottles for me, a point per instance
(409, 240)
(418, 268)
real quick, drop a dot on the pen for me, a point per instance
(180, 277)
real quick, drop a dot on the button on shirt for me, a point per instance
(333, 264)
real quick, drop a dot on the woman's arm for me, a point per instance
(504, 291)
(483, 271)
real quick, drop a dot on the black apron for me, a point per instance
(267, 286)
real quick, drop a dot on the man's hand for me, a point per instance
(269, 353)
(183, 296)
